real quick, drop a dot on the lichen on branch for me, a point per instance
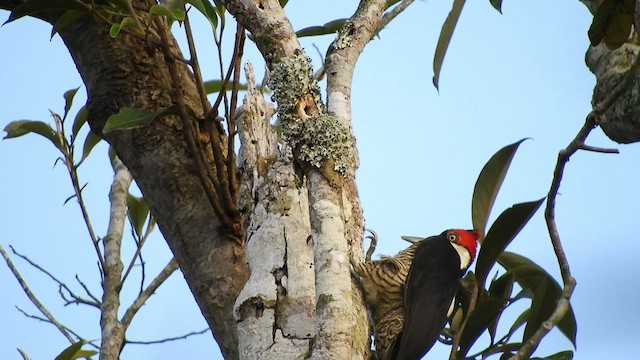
(320, 140)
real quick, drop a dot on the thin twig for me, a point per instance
(231, 120)
(32, 297)
(40, 318)
(391, 14)
(189, 130)
(598, 149)
(182, 337)
(139, 244)
(563, 158)
(153, 286)
(195, 66)
(72, 168)
(75, 299)
(86, 290)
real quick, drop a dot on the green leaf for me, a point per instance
(517, 324)
(129, 118)
(214, 86)
(502, 232)
(506, 355)
(90, 142)
(24, 355)
(127, 22)
(22, 127)
(68, 100)
(497, 4)
(484, 314)
(85, 354)
(283, 3)
(612, 23)
(138, 210)
(172, 13)
(618, 31)
(390, 3)
(65, 19)
(79, 121)
(563, 355)
(500, 289)
(114, 30)
(32, 7)
(329, 28)
(546, 293)
(445, 38)
(488, 184)
(220, 10)
(75, 351)
(209, 12)
(542, 306)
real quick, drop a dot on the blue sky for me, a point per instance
(505, 77)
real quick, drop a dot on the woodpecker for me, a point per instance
(411, 295)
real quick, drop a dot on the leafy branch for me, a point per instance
(578, 143)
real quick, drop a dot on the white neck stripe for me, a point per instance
(463, 253)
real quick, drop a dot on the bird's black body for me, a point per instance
(431, 285)
(409, 295)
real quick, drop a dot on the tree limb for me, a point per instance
(61, 286)
(161, 341)
(112, 330)
(153, 286)
(32, 297)
(563, 158)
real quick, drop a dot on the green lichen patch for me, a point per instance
(325, 138)
(292, 77)
(319, 139)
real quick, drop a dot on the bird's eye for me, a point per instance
(453, 237)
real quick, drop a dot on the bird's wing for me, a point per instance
(431, 285)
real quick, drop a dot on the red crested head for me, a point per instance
(466, 238)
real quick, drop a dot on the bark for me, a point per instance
(621, 121)
(276, 309)
(324, 146)
(132, 72)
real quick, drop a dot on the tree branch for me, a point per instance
(32, 297)
(391, 14)
(563, 158)
(40, 318)
(112, 331)
(61, 286)
(153, 286)
(181, 337)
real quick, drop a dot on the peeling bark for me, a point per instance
(276, 309)
(334, 210)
